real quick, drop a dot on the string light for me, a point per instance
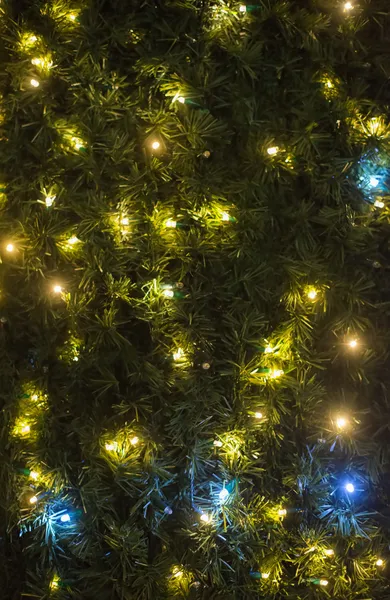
(33, 500)
(34, 475)
(218, 443)
(134, 440)
(49, 200)
(73, 240)
(348, 6)
(177, 572)
(65, 518)
(350, 488)
(77, 143)
(329, 552)
(72, 16)
(223, 495)
(225, 216)
(205, 518)
(54, 583)
(341, 422)
(258, 415)
(265, 575)
(34, 83)
(178, 355)
(353, 344)
(324, 582)
(57, 289)
(273, 150)
(312, 294)
(10, 247)
(170, 223)
(276, 373)
(168, 293)
(282, 512)
(155, 145)
(110, 447)
(242, 8)
(379, 204)
(125, 221)
(268, 350)
(181, 99)
(379, 562)
(25, 429)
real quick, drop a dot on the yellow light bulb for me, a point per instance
(33, 500)
(329, 552)
(72, 16)
(264, 575)
(242, 8)
(273, 150)
(217, 443)
(324, 582)
(155, 145)
(259, 415)
(57, 289)
(110, 447)
(341, 422)
(268, 350)
(379, 204)
(178, 355)
(34, 397)
(353, 344)
(125, 221)
(225, 216)
(276, 373)
(312, 294)
(78, 144)
(168, 293)
(49, 200)
(25, 429)
(34, 83)
(329, 84)
(73, 240)
(10, 247)
(205, 518)
(34, 475)
(54, 583)
(282, 512)
(379, 562)
(348, 6)
(177, 572)
(32, 39)
(170, 223)
(134, 440)
(181, 99)
(36, 61)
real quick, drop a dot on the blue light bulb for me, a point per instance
(65, 518)
(374, 181)
(350, 488)
(223, 495)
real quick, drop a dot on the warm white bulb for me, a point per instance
(34, 475)
(181, 99)
(205, 518)
(259, 415)
(178, 355)
(379, 204)
(282, 512)
(134, 440)
(276, 373)
(379, 562)
(273, 150)
(73, 240)
(312, 294)
(329, 552)
(348, 6)
(170, 223)
(57, 289)
(353, 343)
(32, 39)
(268, 350)
(225, 216)
(34, 83)
(341, 422)
(10, 247)
(34, 397)
(125, 221)
(242, 8)
(33, 500)
(324, 582)
(155, 145)
(329, 84)
(72, 16)
(49, 200)
(168, 293)
(217, 443)
(178, 573)
(25, 429)
(109, 447)
(264, 575)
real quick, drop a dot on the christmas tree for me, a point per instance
(194, 299)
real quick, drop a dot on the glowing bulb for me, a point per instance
(350, 488)
(168, 293)
(181, 99)
(177, 572)
(32, 39)
(57, 289)
(379, 562)
(223, 495)
(273, 150)
(218, 443)
(170, 223)
(33, 500)
(374, 181)
(65, 518)
(155, 145)
(134, 440)
(34, 475)
(276, 373)
(110, 447)
(268, 350)
(353, 343)
(282, 512)
(25, 429)
(348, 6)
(242, 8)
(34, 83)
(178, 355)
(34, 397)
(341, 422)
(225, 216)
(10, 247)
(77, 143)
(329, 84)
(312, 294)
(36, 61)
(49, 200)
(379, 204)
(324, 582)
(259, 415)
(72, 16)
(125, 221)
(54, 583)
(329, 552)
(264, 575)
(205, 518)
(73, 240)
